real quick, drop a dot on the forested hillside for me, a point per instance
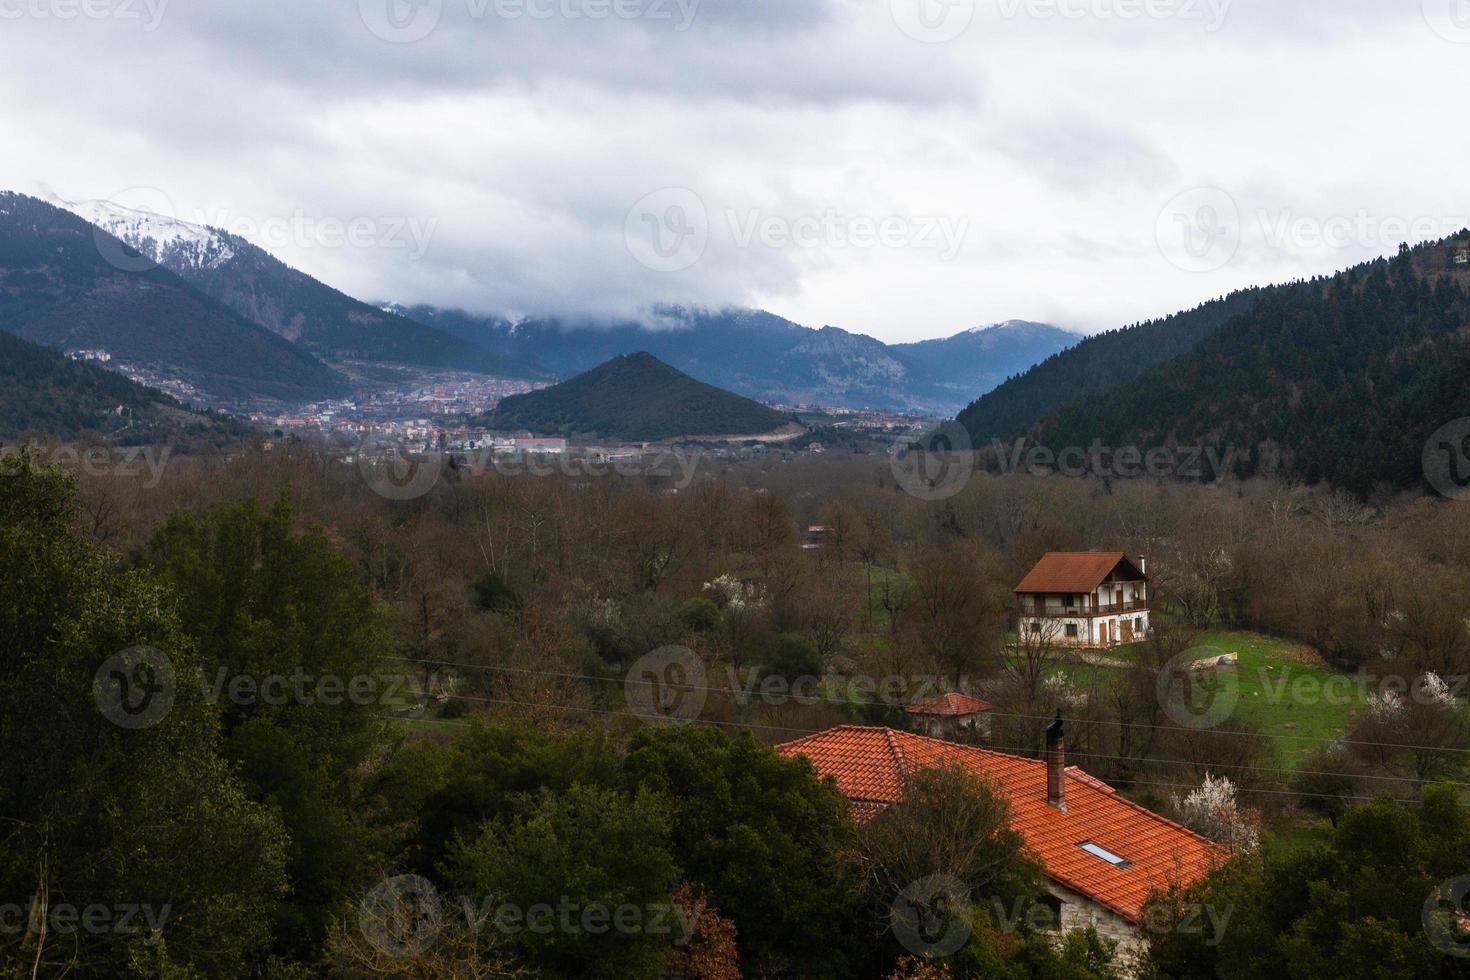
(1096, 363)
(433, 711)
(1341, 381)
(636, 397)
(43, 392)
(68, 285)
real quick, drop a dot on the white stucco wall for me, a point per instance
(1058, 632)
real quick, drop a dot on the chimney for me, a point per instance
(1056, 765)
(1143, 564)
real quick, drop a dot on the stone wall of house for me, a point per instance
(954, 726)
(1081, 912)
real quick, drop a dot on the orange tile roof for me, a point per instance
(1073, 772)
(949, 705)
(870, 765)
(1062, 572)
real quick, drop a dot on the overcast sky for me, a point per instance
(903, 168)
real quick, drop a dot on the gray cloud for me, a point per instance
(1047, 144)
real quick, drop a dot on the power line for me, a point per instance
(752, 726)
(808, 699)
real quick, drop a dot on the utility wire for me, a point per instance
(751, 726)
(804, 698)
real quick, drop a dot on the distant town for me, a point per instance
(422, 409)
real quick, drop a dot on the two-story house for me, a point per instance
(1084, 599)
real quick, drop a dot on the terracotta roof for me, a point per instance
(1073, 772)
(950, 705)
(870, 765)
(1061, 572)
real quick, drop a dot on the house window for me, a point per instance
(1034, 626)
(1137, 625)
(1053, 906)
(1069, 601)
(1097, 850)
(1072, 631)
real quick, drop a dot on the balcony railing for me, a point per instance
(1082, 610)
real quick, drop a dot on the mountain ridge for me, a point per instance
(265, 290)
(68, 285)
(752, 352)
(761, 355)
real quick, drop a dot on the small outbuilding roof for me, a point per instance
(950, 705)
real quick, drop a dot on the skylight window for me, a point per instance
(1097, 850)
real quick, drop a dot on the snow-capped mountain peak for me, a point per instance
(1012, 325)
(169, 241)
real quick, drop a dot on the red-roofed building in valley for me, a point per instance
(1103, 855)
(1084, 599)
(952, 713)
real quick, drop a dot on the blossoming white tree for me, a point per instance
(1214, 812)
